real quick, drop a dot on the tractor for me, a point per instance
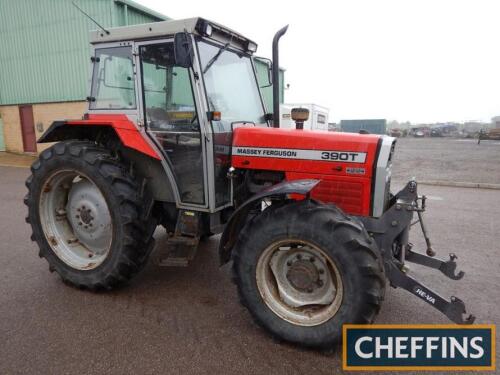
(177, 135)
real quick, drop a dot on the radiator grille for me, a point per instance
(347, 195)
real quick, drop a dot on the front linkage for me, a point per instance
(391, 232)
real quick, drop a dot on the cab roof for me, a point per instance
(155, 30)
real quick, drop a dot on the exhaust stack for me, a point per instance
(276, 77)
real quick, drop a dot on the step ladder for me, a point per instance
(183, 244)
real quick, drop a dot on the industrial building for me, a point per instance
(45, 60)
(495, 121)
(372, 126)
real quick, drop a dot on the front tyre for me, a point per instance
(90, 217)
(304, 269)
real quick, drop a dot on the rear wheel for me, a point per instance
(90, 217)
(304, 269)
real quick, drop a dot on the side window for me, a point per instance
(113, 79)
(168, 98)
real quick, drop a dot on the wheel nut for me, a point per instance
(321, 271)
(309, 290)
(80, 223)
(299, 256)
(312, 259)
(91, 255)
(320, 283)
(289, 263)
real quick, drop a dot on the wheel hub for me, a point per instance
(301, 278)
(303, 275)
(85, 215)
(89, 216)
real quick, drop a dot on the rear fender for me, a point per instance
(136, 148)
(238, 218)
(126, 131)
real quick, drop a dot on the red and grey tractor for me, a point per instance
(176, 134)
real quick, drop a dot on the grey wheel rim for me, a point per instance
(75, 219)
(299, 282)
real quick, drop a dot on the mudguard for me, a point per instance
(126, 131)
(237, 220)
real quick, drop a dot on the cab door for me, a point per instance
(172, 119)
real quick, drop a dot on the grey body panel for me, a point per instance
(153, 171)
(168, 28)
(382, 175)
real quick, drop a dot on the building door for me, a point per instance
(28, 128)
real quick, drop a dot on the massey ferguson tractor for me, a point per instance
(176, 134)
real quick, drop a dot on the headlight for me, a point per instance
(252, 47)
(208, 30)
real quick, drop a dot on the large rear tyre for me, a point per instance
(91, 218)
(304, 269)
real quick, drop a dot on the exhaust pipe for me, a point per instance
(276, 77)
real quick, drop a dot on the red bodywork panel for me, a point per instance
(342, 161)
(126, 130)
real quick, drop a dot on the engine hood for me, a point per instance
(294, 150)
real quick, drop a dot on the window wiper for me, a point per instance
(214, 59)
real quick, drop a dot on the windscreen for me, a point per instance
(231, 86)
(232, 90)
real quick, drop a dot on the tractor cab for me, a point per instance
(186, 84)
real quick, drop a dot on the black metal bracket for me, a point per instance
(448, 267)
(393, 226)
(453, 309)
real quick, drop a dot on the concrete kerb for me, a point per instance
(469, 185)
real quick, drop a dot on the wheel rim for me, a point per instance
(299, 282)
(75, 219)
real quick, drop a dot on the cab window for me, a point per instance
(113, 84)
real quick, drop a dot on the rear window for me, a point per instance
(113, 83)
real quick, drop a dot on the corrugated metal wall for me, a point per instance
(44, 49)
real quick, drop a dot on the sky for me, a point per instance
(422, 61)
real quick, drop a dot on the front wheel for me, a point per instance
(90, 217)
(304, 269)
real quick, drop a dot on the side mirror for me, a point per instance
(183, 50)
(269, 65)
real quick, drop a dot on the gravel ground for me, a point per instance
(447, 159)
(188, 320)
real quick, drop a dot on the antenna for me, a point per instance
(93, 20)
